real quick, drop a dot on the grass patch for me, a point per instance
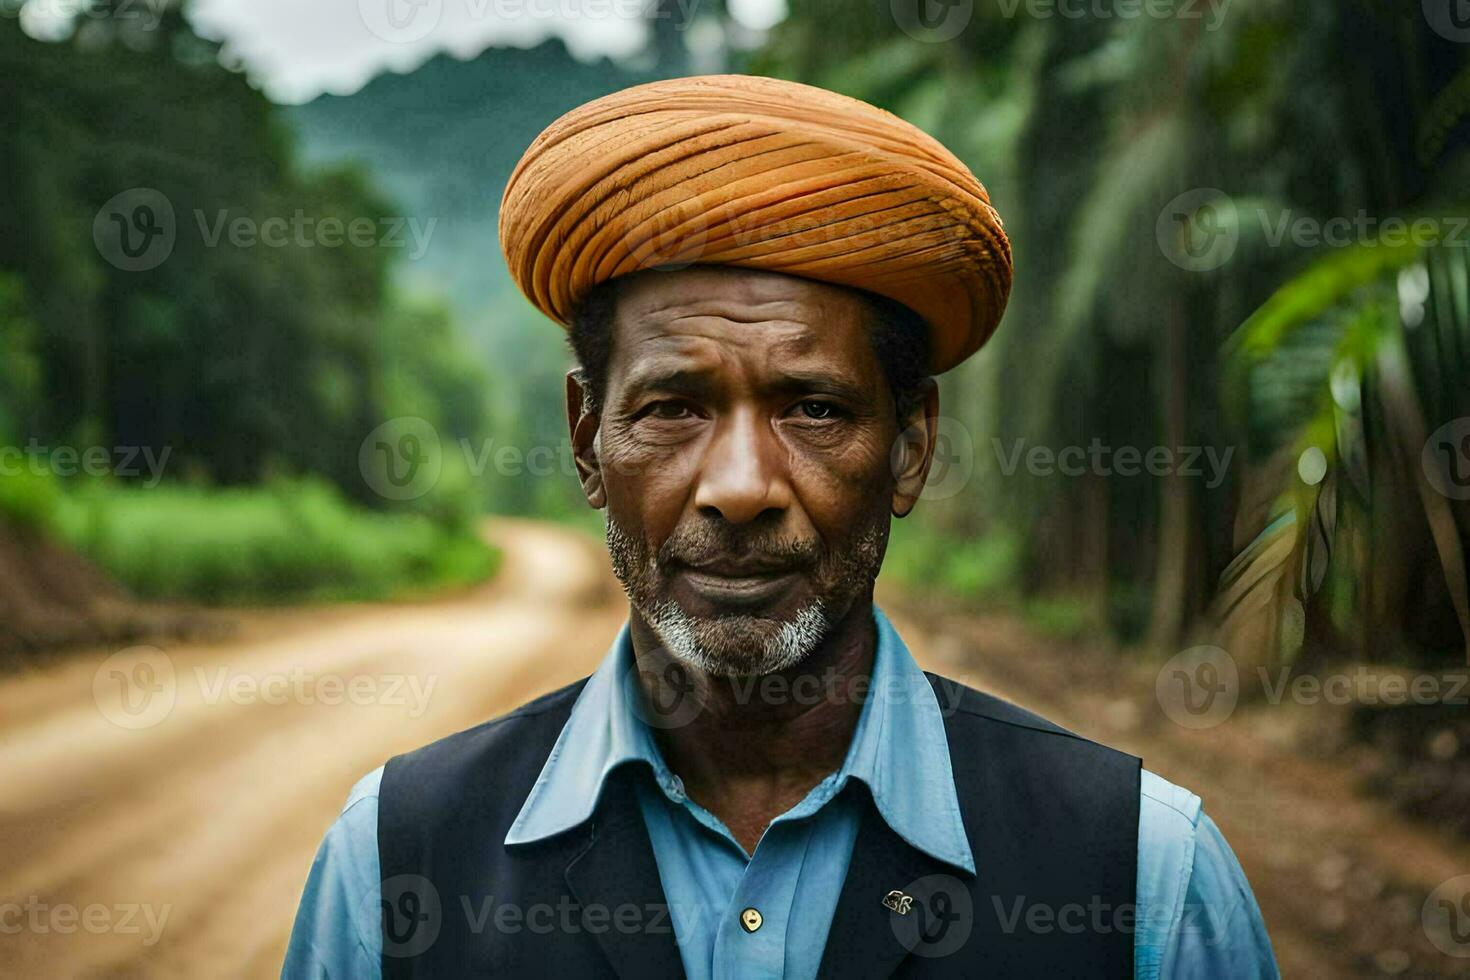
(290, 541)
(29, 499)
(922, 558)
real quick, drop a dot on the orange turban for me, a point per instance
(763, 174)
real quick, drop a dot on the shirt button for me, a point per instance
(750, 920)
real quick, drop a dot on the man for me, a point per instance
(760, 279)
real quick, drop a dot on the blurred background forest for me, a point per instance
(265, 367)
(1160, 180)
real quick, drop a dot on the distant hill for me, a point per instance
(442, 141)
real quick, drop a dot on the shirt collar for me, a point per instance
(899, 750)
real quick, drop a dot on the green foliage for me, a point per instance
(1086, 130)
(20, 369)
(28, 498)
(923, 557)
(1328, 398)
(423, 136)
(1328, 283)
(285, 542)
(271, 350)
(984, 572)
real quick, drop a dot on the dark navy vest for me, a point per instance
(1052, 821)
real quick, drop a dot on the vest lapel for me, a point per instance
(864, 940)
(616, 869)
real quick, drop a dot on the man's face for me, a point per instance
(743, 453)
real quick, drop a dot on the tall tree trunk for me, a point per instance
(1174, 565)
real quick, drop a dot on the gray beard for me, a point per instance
(735, 645)
(738, 646)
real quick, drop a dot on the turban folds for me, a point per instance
(763, 174)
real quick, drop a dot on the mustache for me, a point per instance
(705, 544)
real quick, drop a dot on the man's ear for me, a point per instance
(913, 450)
(583, 424)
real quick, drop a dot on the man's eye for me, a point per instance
(667, 410)
(818, 410)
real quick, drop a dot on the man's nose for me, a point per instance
(743, 473)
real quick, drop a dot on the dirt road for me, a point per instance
(177, 846)
(159, 809)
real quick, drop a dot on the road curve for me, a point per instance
(160, 808)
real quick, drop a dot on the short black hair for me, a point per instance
(899, 336)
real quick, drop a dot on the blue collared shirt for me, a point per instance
(1196, 914)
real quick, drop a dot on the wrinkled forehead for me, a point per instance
(755, 324)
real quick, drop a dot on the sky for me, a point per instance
(298, 49)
